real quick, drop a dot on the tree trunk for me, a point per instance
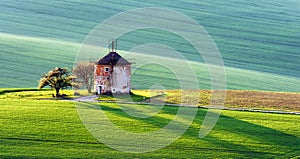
(89, 88)
(57, 92)
(88, 85)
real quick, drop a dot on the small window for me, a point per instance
(106, 69)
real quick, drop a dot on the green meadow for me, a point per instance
(258, 41)
(26, 58)
(32, 127)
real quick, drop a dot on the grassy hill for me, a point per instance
(32, 127)
(258, 40)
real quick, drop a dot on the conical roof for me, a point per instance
(113, 58)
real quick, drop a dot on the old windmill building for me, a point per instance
(112, 74)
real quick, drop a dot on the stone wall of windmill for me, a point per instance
(112, 74)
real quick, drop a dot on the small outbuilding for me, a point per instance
(112, 74)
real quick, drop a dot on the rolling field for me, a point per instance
(258, 41)
(32, 128)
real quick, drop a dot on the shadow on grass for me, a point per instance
(130, 98)
(248, 139)
(13, 90)
(116, 111)
(230, 135)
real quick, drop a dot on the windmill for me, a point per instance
(112, 73)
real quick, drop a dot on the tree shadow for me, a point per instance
(247, 139)
(151, 123)
(230, 136)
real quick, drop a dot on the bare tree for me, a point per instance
(84, 72)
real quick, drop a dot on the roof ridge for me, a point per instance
(113, 58)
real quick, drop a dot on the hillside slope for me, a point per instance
(259, 41)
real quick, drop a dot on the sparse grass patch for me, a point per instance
(237, 99)
(263, 100)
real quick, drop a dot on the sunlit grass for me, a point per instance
(52, 128)
(32, 93)
(258, 42)
(234, 98)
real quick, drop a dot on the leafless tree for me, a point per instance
(84, 75)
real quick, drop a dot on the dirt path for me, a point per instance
(86, 99)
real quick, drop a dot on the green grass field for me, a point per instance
(258, 41)
(32, 128)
